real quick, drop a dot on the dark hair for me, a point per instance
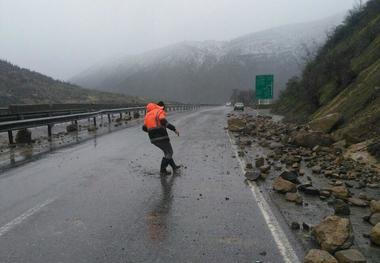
(161, 103)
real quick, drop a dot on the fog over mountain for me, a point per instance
(208, 71)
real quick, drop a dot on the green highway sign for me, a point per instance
(264, 87)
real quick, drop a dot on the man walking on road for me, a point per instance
(155, 125)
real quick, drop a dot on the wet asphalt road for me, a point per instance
(104, 201)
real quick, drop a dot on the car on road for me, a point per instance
(239, 106)
(228, 104)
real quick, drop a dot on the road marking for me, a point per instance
(18, 220)
(286, 249)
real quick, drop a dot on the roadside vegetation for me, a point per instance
(342, 78)
(22, 86)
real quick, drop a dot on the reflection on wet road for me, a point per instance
(156, 218)
(111, 205)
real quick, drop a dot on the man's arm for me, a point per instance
(168, 125)
(165, 123)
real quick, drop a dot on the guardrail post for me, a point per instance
(10, 137)
(49, 131)
(95, 121)
(109, 118)
(121, 115)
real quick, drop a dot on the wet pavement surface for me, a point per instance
(104, 201)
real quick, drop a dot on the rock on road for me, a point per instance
(104, 201)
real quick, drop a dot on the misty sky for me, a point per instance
(61, 38)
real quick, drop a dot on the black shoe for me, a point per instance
(173, 165)
(164, 164)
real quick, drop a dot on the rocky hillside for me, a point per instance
(207, 72)
(22, 86)
(339, 90)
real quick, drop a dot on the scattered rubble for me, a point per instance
(305, 162)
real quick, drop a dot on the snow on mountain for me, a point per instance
(208, 71)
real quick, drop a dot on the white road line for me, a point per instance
(18, 220)
(287, 251)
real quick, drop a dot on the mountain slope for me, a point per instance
(344, 78)
(22, 86)
(207, 72)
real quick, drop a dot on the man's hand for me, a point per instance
(177, 132)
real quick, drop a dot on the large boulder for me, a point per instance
(350, 256)
(375, 234)
(283, 186)
(326, 123)
(340, 192)
(374, 219)
(334, 233)
(319, 256)
(374, 205)
(311, 139)
(236, 124)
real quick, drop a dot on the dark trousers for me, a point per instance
(166, 147)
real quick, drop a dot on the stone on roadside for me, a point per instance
(375, 234)
(295, 226)
(290, 176)
(236, 124)
(325, 123)
(259, 162)
(252, 175)
(374, 219)
(350, 256)
(310, 190)
(265, 168)
(357, 202)
(316, 169)
(334, 233)
(374, 206)
(325, 193)
(319, 256)
(341, 208)
(340, 192)
(294, 197)
(311, 139)
(283, 186)
(275, 145)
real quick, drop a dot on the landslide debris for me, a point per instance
(299, 163)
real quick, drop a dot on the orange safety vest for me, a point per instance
(154, 115)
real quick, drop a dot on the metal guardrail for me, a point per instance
(30, 111)
(9, 126)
